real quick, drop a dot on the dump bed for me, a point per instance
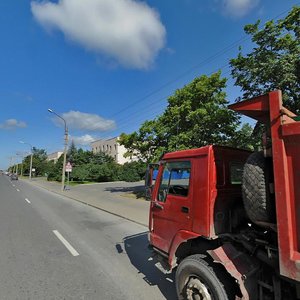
(283, 128)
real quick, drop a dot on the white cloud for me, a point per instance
(238, 8)
(12, 124)
(82, 140)
(127, 31)
(85, 121)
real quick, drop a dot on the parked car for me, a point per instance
(14, 177)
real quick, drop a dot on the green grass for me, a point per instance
(73, 183)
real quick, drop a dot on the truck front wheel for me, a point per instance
(196, 279)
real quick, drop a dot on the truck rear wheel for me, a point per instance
(196, 279)
(257, 198)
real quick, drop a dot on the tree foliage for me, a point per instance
(274, 63)
(80, 157)
(72, 152)
(133, 171)
(247, 137)
(196, 115)
(99, 167)
(39, 162)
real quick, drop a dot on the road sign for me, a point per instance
(68, 167)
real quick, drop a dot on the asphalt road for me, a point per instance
(54, 248)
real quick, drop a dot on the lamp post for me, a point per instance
(31, 148)
(65, 149)
(21, 154)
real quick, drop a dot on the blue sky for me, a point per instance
(108, 65)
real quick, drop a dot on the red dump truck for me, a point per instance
(227, 219)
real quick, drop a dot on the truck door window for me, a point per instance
(175, 180)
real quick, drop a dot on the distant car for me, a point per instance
(14, 177)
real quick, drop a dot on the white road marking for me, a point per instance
(18, 190)
(13, 185)
(27, 200)
(66, 243)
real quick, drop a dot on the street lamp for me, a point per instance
(65, 149)
(22, 155)
(31, 148)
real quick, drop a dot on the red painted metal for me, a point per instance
(212, 196)
(180, 237)
(166, 219)
(240, 266)
(285, 135)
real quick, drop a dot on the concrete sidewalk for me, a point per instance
(114, 197)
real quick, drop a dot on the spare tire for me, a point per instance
(258, 200)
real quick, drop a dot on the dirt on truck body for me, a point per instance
(228, 220)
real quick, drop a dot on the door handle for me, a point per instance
(158, 205)
(185, 209)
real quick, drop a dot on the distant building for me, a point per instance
(112, 148)
(54, 156)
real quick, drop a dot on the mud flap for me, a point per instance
(240, 266)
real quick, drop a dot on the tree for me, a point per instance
(247, 138)
(196, 115)
(72, 151)
(274, 63)
(104, 172)
(39, 162)
(80, 173)
(101, 158)
(82, 157)
(133, 171)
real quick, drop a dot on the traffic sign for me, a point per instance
(68, 167)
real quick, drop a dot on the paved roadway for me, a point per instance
(108, 196)
(54, 248)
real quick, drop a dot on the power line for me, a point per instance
(180, 76)
(128, 120)
(204, 62)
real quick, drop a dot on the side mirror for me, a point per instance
(150, 178)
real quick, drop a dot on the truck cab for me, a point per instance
(198, 193)
(228, 219)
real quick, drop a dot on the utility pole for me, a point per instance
(63, 177)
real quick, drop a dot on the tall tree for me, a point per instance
(196, 115)
(72, 151)
(39, 162)
(274, 62)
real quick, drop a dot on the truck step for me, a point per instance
(163, 268)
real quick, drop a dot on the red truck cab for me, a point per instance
(228, 219)
(213, 176)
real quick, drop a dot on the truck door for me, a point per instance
(171, 208)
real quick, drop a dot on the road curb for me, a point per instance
(86, 203)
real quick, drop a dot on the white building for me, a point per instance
(54, 156)
(112, 148)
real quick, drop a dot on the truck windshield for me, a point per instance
(175, 180)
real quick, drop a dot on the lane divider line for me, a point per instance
(18, 190)
(66, 243)
(27, 200)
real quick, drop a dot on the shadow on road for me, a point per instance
(136, 247)
(137, 191)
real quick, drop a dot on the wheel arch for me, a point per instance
(239, 266)
(186, 243)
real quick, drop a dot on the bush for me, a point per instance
(80, 173)
(104, 172)
(54, 175)
(100, 172)
(133, 171)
